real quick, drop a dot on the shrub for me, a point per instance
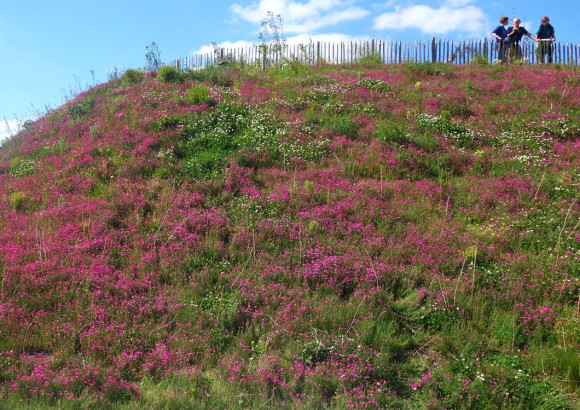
(169, 74)
(132, 77)
(197, 94)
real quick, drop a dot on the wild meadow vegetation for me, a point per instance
(400, 236)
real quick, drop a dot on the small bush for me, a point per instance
(197, 94)
(169, 74)
(132, 77)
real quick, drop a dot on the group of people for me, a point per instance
(508, 40)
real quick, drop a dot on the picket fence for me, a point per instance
(389, 52)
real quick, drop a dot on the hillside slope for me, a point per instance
(393, 236)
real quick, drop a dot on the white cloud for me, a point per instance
(8, 128)
(300, 17)
(313, 23)
(453, 15)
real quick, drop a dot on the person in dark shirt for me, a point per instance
(514, 36)
(545, 37)
(500, 33)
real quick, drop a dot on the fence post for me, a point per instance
(484, 47)
(433, 50)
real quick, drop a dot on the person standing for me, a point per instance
(514, 36)
(545, 36)
(500, 33)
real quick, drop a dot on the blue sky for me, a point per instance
(50, 49)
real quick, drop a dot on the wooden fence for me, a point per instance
(389, 52)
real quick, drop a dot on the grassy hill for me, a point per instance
(399, 236)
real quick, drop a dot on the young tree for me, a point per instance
(153, 57)
(272, 39)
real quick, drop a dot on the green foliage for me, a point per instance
(20, 167)
(165, 122)
(208, 142)
(376, 85)
(315, 79)
(78, 110)
(389, 131)
(414, 69)
(314, 352)
(132, 77)
(296, 66)
(480, 59)
(370, 57)
(18, 200)
(344, 126)
(215, 75)
(197, 94)
(169, 74)
(444, 126)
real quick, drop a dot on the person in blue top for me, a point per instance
(545, 37)
(514, 36)
(500, 33)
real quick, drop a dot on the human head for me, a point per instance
(545, 20)
(517, 21)
(503, 20)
